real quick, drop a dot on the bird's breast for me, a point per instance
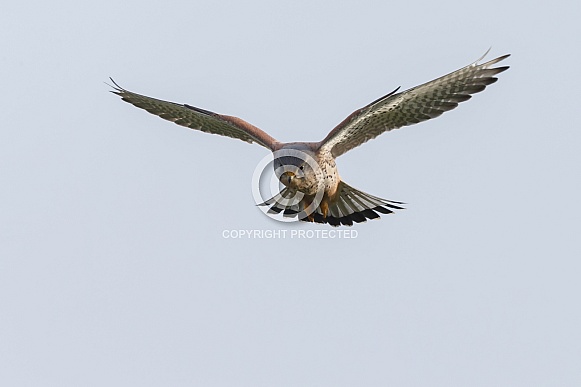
(328, 175)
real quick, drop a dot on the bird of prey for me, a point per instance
(313, 190)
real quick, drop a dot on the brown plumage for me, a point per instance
(333, 201)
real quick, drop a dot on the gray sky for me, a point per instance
(113, 267)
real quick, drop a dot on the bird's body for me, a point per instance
(309, 173)
(314, 191)
(323, 178)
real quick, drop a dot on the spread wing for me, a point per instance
(196, 118)
(411, 106)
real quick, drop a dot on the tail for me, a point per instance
(282, 202)
(349, 205)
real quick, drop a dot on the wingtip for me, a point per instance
(114, 86)
(496, 60)
(493, 61)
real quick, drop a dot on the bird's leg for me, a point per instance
(324, 207)
(305, 203)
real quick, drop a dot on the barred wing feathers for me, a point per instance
(411, 106)
(199, 119)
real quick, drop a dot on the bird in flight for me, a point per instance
(313, 190)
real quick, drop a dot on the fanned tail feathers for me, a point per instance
(349, 206)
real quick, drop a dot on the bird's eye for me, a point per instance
(302, 167)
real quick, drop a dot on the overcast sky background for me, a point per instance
(113, 268)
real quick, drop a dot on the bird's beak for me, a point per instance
(287, 176)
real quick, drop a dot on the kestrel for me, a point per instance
(314, 191)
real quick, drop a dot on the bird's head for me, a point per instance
(295, 168)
